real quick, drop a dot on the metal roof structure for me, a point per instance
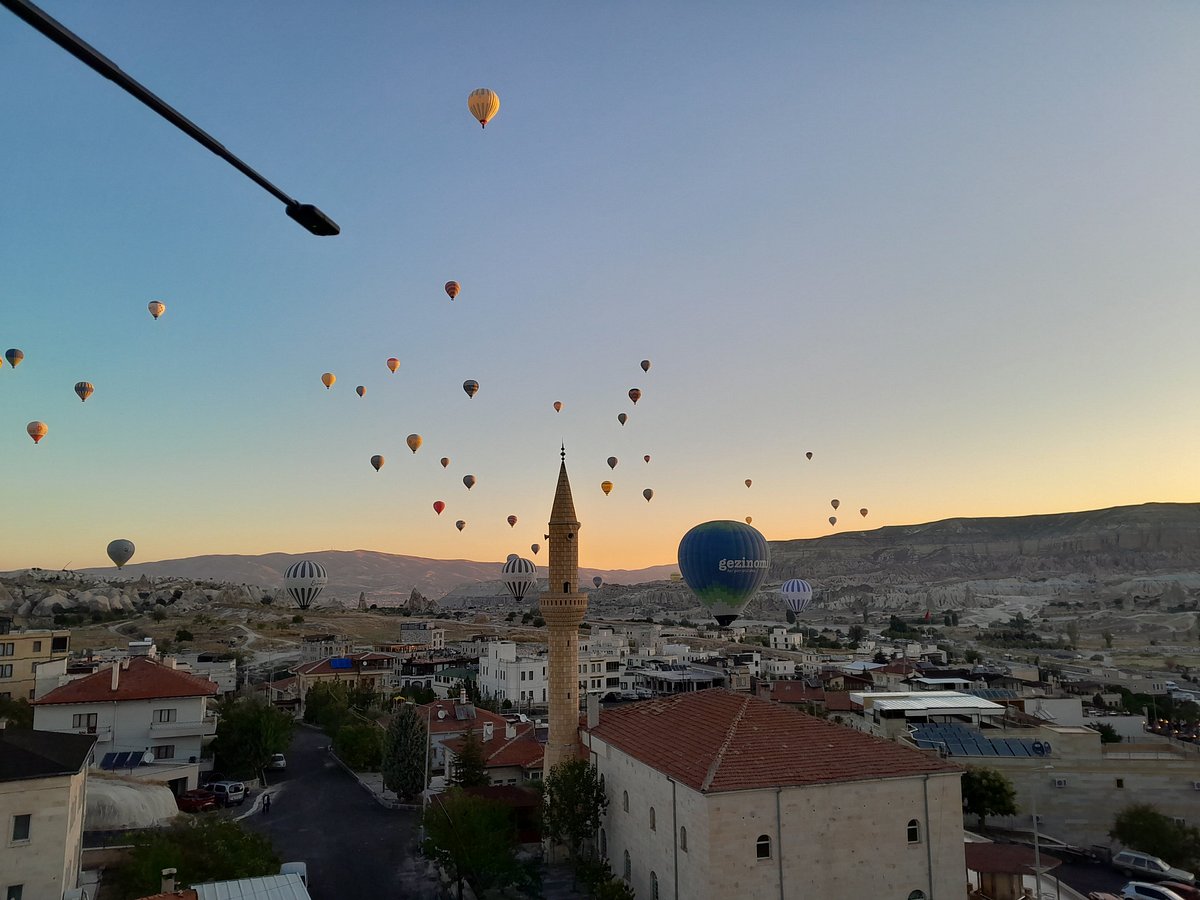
(269, 887)
(918, 703)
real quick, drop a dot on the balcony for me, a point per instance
(204, 727)
(102, 734)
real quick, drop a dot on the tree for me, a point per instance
(327, 705)
(857, 633)
(972, 656)
(1140, 826)
(791, 617)
(18, 713)
(182, 635)
(880, 657)
(159, 614)
(574, 802)
(469, 769)
(987, 792)
(202, 848)
(1108, 734)
(249, 732)
(1108, 639)
(405, 745)
(472, 839)
(360, 746)
(1073, 632)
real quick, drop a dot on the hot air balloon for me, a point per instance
(558, 406)
(452, 288)
(377, 462)
(471, 387)
(748, 482)
(120, 552)
(597, 580)
(414, 442)
(84, 389)
(645, 365)
(622, 418)
(833, 520)
(646, 457)
(445, 461)
(648, 494)
(469, 481)
(512, 521)
(863, 512)
(360, 390)
(483, 104)
(14, 357)
(607, 487)
(749, 520)
(535, 548)
(519, 576)
(612, 462)
(304, 581)
(797, 594)
(808, 455)
(511, 557)
(438, 506)
(724, 563)
(835, 503)
(635, 395)
(393, 364)
(328, 379)
(156, 307)
(36, 430)
(460, 524)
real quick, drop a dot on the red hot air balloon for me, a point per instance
(393, 364)
(36, 430)
(512, 521)
(635, 395)
(452, 289)
(438, 506)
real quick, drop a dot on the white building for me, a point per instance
(782, 639)
(136, 707)
(511, 671)
(423, 634)
(43, 780)
(316, 647)
(716, 794)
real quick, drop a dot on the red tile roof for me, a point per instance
(718, 740)
(145, 679)
(452, 717)
(1004, 859)
(839, 701)
(793, 692)
(524, 750)
(322, 666)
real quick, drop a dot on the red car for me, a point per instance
(197, 801)
(1186, 891)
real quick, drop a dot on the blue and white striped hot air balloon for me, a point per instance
(797, 594)
(520, 576)
(304, 581)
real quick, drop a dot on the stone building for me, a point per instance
(22, 651)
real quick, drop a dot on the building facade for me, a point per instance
(22, 650)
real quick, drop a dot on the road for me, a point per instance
(353, 846)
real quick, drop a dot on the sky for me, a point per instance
(948, 248)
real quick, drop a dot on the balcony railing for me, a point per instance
(204, 727)
(102, 733)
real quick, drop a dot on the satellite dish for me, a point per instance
(148, 757)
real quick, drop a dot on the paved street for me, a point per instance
(353, 846)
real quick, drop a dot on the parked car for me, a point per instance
(1140, 890)
(1186, 891)
(229, 793)
(278, 761)
(295, 868)
(198, 800)
(1134, 863)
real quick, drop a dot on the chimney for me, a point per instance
(593, 711)
(462, 695)
(168, 881)
(116, 675)
(487, 731)
(510, 731)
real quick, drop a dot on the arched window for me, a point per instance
(762, 847)
(917, 895)
(625, 800)
(603, 844)
(683, 839)
(652, 818)
(914, 831)
(628, 868)
(653, 886)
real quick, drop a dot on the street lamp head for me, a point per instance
(313, 219)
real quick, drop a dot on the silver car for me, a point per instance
(1143, 865)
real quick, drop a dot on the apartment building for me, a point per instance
(22, 650)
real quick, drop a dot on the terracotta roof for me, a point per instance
(839, 701)
(458, 717)
(794, 692)
(718, 740)
(145, 679)
(523, 750)
(322, 666)
(1004, 859)
(899, 667)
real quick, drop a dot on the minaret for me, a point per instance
(563, 608)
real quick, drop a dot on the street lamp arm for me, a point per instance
(306, 214)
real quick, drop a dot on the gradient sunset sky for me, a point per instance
(950, 248)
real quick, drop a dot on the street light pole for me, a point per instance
(1038, 869)
(304, 213)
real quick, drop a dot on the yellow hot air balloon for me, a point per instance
(157, 308)
(607, 487)
(558, 406)
(414, 442)
(749, 520)
(84, 389)
(36, 430)
(483, 104)
(328, 379)
(393, 364)
(377, 462)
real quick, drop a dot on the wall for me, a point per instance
(25, 659)
(49, 863)
(126, 725)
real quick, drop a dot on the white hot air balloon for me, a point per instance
(120, 552)
(519, 576)
(304, 581)
(797, 594)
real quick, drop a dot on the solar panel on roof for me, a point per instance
(106, 762)
(122, 760)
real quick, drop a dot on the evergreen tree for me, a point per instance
(468, 769)
(575, 801)
(472, 839)
(249, 731)
(1142, 827)
(405, 745)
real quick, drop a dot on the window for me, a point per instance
(164, 751)
(59, 644)
(8, 649)
(625, 800)
(1120, 784)
(6, 671)
(683, 839)
(20, 828)
(653, 886)
(164, 715)
(914, 831)
(14, 892)
(917, 895)
(652, 818)
(37, 646)
(84, 721)
(628, 867)
(762, 847)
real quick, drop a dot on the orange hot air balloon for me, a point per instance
(535, 548)
(808, 455)
(471, 387)
(36, 430)
(645, 365)
(328, 379)
(612, 462)
(360, 390)
(635, 395)
(445, 461)
(833, 520)
(452, 288)
(558, 406)
(622, 418)
(607, 487)
(469, 481)
(648, 494)
(749, 520)
(460, 524)
(393, 364)
(377, 462)
(84, 389)
(156, 308)
(483, 104)
(512, 521)
(414, 442)
(438, 506)
(835, 503)
(863, 512)
(749, 482)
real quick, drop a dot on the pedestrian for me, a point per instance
(266, 803)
